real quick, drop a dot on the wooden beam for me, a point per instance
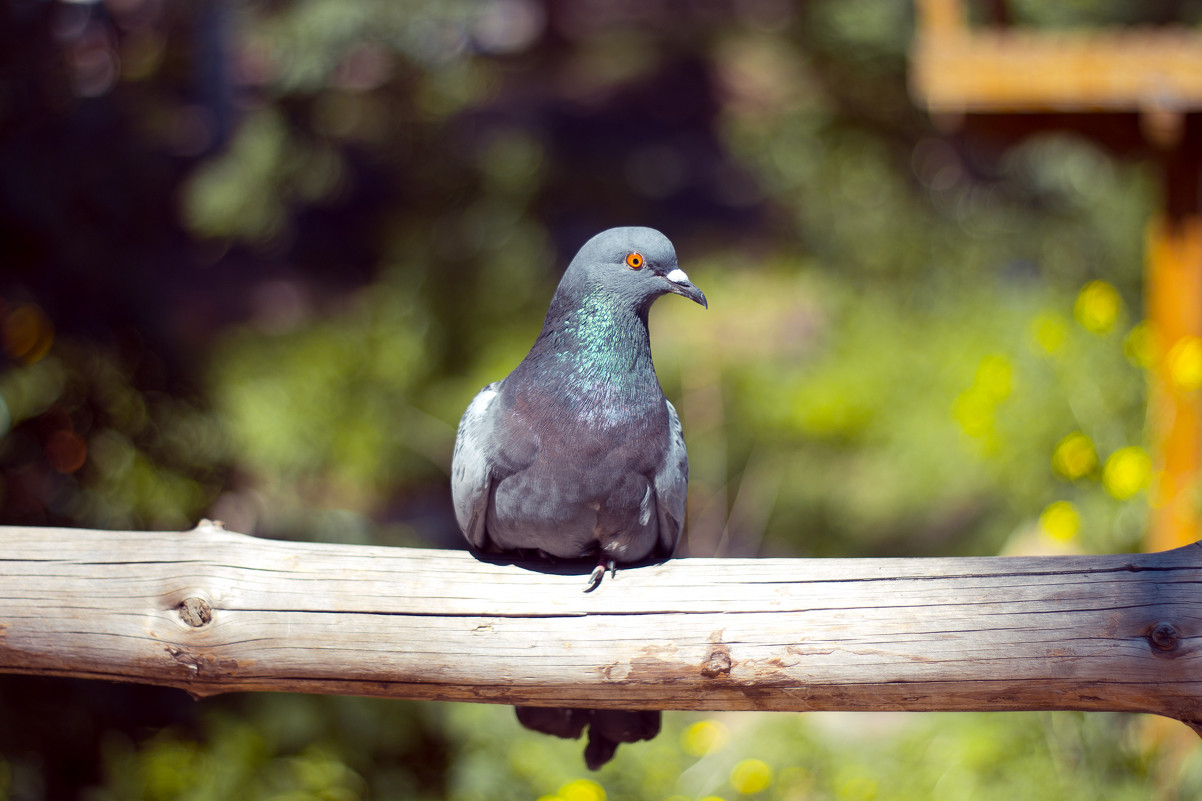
(957, 69)
(212, 611)
(1174, 305)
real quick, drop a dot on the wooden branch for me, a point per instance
(212, 611)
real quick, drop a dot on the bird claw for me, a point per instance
(594, 579)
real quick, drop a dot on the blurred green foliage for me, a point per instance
(311, 230)
(816, 757)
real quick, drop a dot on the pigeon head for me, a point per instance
(636, 264)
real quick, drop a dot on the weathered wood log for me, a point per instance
(212, 611)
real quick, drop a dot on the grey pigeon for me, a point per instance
(577, 453)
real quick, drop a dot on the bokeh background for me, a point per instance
(257, 255)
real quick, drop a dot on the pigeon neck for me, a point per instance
(591, 364)
(604, 334)
(595, 348)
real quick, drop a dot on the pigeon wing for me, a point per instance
(672, 486)
(472, 468)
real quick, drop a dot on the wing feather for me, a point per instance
(672, 486)
(472, 467)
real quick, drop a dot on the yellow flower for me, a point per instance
(858, 788)
(582, 790)
(1060, 521)
(1184, 361)
(1140, 345)
(1074, 456)
(1049, 331)
(751, 776)
(1098, 307)
(1127, 471)
(995, 377)
(703, 737)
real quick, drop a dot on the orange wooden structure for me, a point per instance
(1136, 90)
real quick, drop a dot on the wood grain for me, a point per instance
(213, 611)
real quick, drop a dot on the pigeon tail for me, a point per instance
(556, 721)
(600, 749)
(607, 728)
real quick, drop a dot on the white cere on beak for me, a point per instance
(677, 276)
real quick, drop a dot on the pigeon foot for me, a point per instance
(594, 579)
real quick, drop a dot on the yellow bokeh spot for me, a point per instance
(751, 776)
(1098, 307)
(1049, 331)
(703, 737)
(1060, 521)
(582, 790)
(713, 798)
(974, 413)
(1184, 362)
(975, 409)
(858, 788)
(1074, 456)
(1140, 346)
(1127, 471)
(995, 377)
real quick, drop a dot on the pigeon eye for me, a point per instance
(634, 261)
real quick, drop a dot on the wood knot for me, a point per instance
(1164, 637)
(194, 611)
(718, 663)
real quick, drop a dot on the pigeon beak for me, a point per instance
(680, 284)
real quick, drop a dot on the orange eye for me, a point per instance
(634, 261)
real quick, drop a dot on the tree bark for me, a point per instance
(212, 611)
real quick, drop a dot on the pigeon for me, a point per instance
(577, 454)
